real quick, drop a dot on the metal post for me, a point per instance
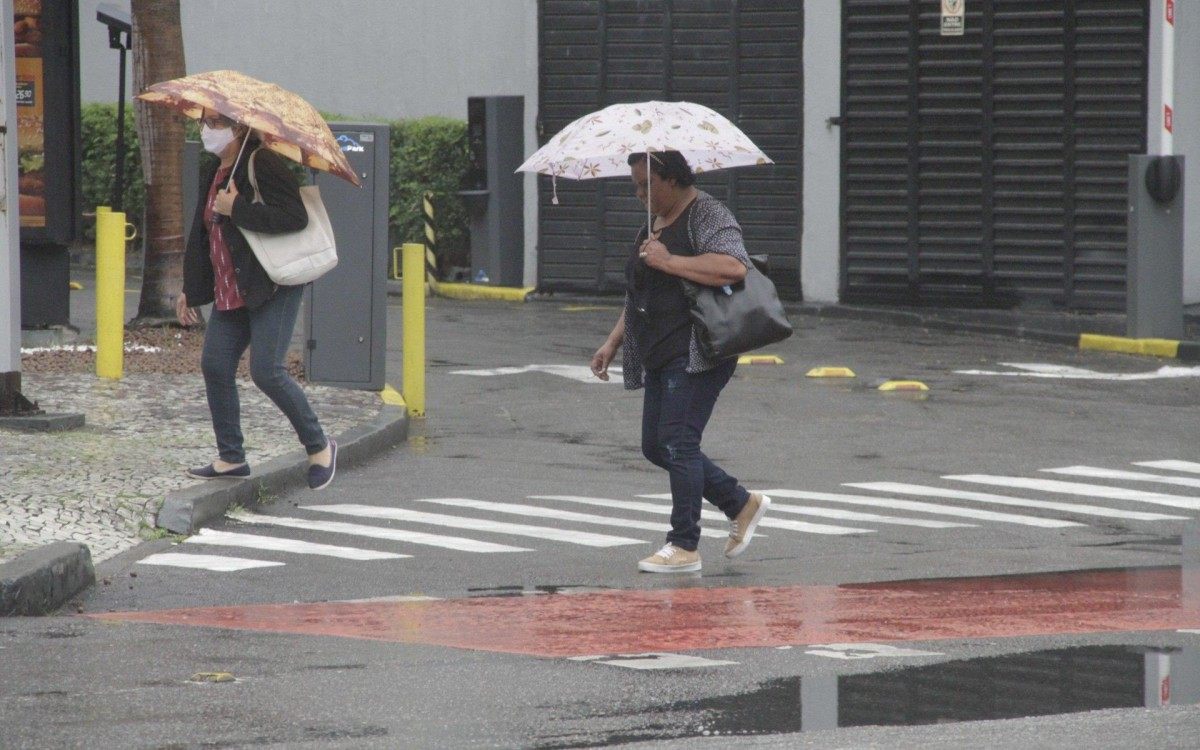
(118, 192)
(12, 402)
(10, 248)
(120, 37)
(414, 328)
(110, 293)
(1168, 79)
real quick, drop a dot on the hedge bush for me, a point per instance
(427, 154)
(99, 131)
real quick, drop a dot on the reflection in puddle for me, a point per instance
(998, 687)
(1039, 683)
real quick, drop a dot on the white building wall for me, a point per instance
(820, 253)
(370, 58)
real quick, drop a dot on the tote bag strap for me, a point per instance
(253, 181)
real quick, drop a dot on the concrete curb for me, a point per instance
(184, 511)
(42, 580)
(907, 318)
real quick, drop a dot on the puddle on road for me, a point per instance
(1038, 683)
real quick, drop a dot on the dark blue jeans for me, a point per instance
(267, 331)
(675, 411)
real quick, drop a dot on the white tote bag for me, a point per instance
(295, 258)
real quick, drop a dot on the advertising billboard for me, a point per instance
(47, 98)
(31, 109)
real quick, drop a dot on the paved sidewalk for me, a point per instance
(102, 485)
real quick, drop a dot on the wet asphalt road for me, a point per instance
(507, 438)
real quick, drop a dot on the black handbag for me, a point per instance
(738, 318)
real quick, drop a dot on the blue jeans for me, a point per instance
(676, 409)
(267, 331)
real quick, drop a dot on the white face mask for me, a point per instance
(215, 140)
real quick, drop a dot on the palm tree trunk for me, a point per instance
(158, 56)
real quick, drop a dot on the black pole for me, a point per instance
(119, 180)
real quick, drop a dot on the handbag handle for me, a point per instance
(254, 182)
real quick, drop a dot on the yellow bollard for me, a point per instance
(110, 293)
(414, 328)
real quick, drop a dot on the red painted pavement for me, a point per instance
(713, 618)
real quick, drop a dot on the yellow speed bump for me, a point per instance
(759, 359)
(903, 385)
(75, 286)
(1151, 347)
(830, 372)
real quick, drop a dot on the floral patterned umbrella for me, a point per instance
(285, 122)
(599, 144)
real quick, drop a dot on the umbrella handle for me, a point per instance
(238, 160)
(649, 221)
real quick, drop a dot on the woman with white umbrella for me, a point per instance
(694, 237)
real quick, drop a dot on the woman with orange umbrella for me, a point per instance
(249, 309)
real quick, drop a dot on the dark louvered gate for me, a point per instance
(740, 57)
(989, 169)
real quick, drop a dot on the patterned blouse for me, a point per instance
(711, 229)
(226, 294)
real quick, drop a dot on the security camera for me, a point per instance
(113, 17)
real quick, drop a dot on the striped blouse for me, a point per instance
(711, 229)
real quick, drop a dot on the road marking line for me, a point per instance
(585, 538)
(1189, 466)
(258, 541)
(376, 532)
(579, 373)
(563, 515)
(854, 515)
(1079, 488)
(985, 497)
(801, 526)
(848, 515)
(946, 510)
(1096, 472)
(864, 651)
(206, 562)
(654, 661)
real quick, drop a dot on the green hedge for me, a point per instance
(99, 126)
(427, 154)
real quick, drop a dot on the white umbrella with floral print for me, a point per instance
(599, 144)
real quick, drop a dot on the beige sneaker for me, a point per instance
(741, 529)
(671, 559)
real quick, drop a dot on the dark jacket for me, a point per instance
(281, 211)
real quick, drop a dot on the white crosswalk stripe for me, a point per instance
(1079, 488)
(801, 526)
(562, 515)
(280, 544)
(984, 497)
(1096, 472)
(461, 544)
(205, 562)
(850, 515)
(920, 507)
(458, 522)
(781, 517)
(1171, 465)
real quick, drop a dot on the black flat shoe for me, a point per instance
(208, 472)
(319, 477)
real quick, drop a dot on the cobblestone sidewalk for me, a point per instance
(102, 485)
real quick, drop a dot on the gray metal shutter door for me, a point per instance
(740, 58)
(988, 169)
